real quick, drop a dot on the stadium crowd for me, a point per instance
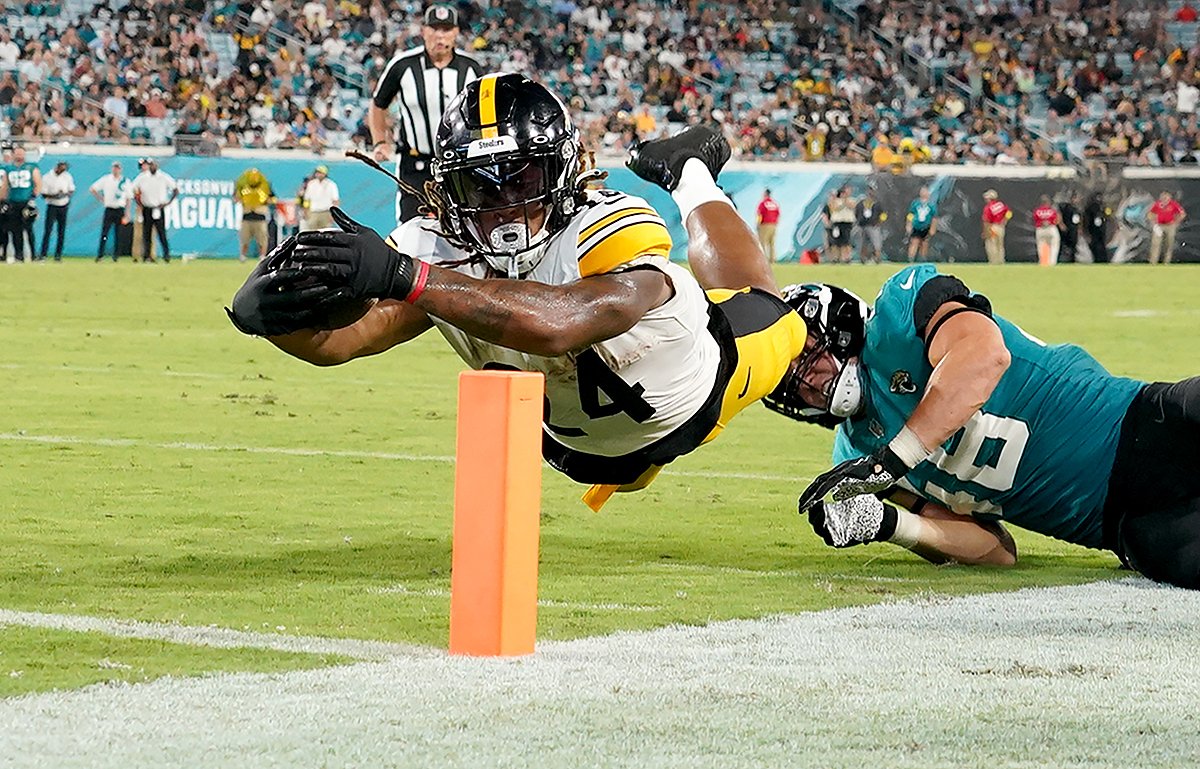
(893, 81)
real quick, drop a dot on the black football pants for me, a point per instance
(56, 216)
(12, 225)
(1152, 516)
(112, 219)
(413, 171)
(154, 219)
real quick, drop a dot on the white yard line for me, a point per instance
(216, 637)
(75, 440)
(1093, 676)
(788, 573)
(231, 377)
(400, 589)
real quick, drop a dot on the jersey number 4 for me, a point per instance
(594, 378)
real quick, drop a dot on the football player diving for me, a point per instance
(524, 267)
(964, 420)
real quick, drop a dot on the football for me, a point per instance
(333, 314)
(345, 313)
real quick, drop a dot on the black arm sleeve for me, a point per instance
(936, 292)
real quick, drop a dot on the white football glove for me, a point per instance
(853, 521)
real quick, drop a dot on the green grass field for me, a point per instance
(159, 466)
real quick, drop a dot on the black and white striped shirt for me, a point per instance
(424, 92)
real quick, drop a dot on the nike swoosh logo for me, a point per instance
(907, 284)
(746, 387)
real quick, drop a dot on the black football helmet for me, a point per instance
(507, 165)
(837, 323)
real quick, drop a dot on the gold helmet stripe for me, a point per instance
(487, 106)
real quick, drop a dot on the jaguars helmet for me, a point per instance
(836, 320)
(507, 164)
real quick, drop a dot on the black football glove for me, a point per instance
(279, 299)
(358, 258)
(865, 475)
(854, 521)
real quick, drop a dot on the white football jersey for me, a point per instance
(622, 394)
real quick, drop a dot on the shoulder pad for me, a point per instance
(615, 229)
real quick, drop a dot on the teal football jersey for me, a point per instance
(1039, 452)
(922, 214)
(20, 182)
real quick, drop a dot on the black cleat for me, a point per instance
(661, 160)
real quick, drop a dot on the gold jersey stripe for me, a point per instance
(615, 216)
(625, 221)
(623, 245)
(487, 106)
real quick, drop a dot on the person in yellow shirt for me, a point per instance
(254, 192)
(816, 142)
(882, 156)
(645, 124)
(911, 152)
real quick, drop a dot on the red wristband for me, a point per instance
(418, 284)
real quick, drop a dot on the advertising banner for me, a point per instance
(204, 219)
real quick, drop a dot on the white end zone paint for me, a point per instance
(216, 637)
(1101, 675)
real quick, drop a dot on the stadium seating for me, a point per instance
(948, 81)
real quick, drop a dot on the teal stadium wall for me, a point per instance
(203, 220)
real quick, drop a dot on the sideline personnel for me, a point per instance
(426, 79)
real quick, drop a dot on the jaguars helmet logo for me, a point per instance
(902, 383)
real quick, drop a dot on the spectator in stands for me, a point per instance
(995, 220)
(645, 124)
(57, 188)
(768, 222)
(921, 225)
(882, 156)
(1165, 216)
(1047, 225)
(870, 218)
(154, 190)
(254, 193)
(815, 142)
(112, 190)
(1186, 13)
(1013, 55)
(408, 76)
(9, 51)
(8, 89)
(319, 195)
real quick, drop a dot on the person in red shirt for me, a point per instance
(768, 220)
(995, 219)
(1046, 226)
(1186, 13)
(1165, 216)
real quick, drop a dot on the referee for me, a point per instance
(425, 79)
